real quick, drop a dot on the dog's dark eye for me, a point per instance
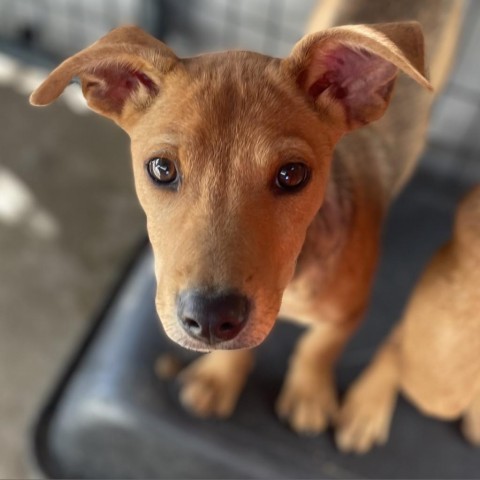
(292, 176)
(162, 170)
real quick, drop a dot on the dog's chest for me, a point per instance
(316, 265)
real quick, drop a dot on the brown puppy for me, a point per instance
(232, 157)
(433, 354)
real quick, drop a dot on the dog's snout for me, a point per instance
(213, 318)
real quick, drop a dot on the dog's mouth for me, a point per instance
(248, 338)
(206, 318)
(226, 322)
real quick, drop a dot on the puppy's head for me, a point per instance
(231, 154)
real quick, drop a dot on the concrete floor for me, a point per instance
(75, 224)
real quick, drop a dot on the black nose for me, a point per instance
(212, 317)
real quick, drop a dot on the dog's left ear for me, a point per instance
(350, 71)
(120, 74)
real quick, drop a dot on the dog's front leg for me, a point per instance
(364, 419)
(211, 385)
(308, 400)
(331, 300)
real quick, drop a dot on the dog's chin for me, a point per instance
(247, 338)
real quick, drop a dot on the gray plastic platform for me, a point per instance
(111, 417)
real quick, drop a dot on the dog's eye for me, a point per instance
(162, 170)
(292, 176)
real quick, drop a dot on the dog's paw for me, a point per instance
(308, 403)
(167, 366)
(210, 387)
(364, 419)
(205, 391)
(471, 424)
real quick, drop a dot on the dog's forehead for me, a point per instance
(235, 90)
(242, 68)
(226, 106)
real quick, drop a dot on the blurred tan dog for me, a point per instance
(246, 212)
(432, 356)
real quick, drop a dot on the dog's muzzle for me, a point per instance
(212, 317)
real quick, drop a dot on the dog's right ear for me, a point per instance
(120, 74)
